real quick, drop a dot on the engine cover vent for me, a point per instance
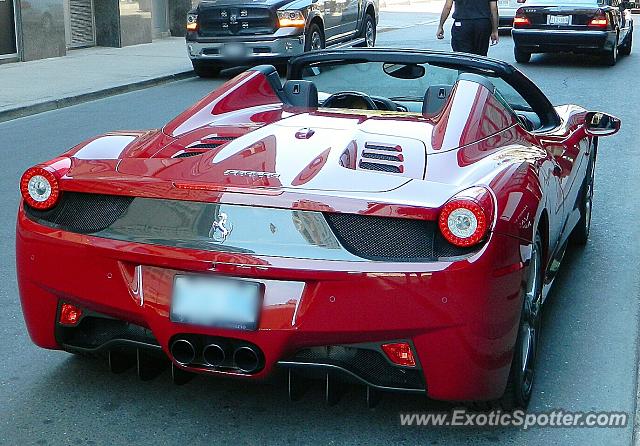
(382, 157)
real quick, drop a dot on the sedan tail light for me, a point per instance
(520, 20)
(39, 185)
(466, 218)
(599, 21)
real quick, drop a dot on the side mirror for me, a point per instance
(601, 124)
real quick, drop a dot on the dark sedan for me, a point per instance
(580, 26)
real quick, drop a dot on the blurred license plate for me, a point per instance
(216, 302)
(503, 2)
(559, 20)
(233, 50)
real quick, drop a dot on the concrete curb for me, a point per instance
(27, 110)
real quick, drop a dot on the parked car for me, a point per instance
(507, 11)
(403, 236)
(228, 33)
(580, 26)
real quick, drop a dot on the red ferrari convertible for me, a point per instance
(393, 218)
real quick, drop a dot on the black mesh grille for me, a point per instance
(203, 145)
(82, 213)
(370, 365)
(188, 154)
(380, 156)
(380, 167)
(220, 138)
(392, 239)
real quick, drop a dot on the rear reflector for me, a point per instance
(69, 314)
(400, 353)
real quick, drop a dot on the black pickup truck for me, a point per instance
(226, 33)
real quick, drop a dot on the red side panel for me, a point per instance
(248, 89)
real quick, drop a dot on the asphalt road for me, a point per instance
(589, 348)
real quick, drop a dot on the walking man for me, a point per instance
(475, 24)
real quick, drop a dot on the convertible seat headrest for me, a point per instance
(434, 99)
(300, 94)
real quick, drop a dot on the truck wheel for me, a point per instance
(314, 38)
(369, 31)
(205, 69)
(521, 56)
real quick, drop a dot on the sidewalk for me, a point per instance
(82, 75)
(33, 87)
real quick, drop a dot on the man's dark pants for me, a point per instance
(471, 36)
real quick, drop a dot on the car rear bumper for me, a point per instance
(460, 317)
(543, 41)
(269, 49)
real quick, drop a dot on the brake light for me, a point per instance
(39, 185)
(69, 314)
(465, 219)
(522, 1)
(521, 21)
(39, 188)
(599, 21)
(400, 353)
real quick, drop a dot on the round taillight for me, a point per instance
(39, 188)
(463, 222)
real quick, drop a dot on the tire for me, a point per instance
(369, 32)
(625, 49)
(205, 69)
(521, 56)
(521, 376)
(580, 234)
(611, 57)
(314, 38)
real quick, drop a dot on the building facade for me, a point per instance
(37, 29)
(8, 33)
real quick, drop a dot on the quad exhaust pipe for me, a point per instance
(213, 355)
(245, 358)
(183, 351)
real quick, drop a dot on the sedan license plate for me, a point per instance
(503, 3)
(233, 50)
(559, 20)
(216, 302)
